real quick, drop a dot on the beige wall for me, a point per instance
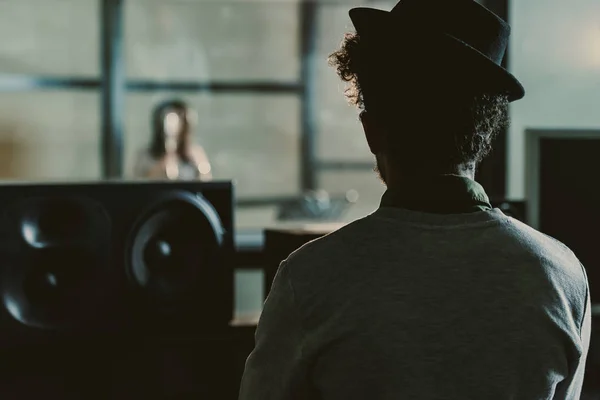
(49, 135)
(252, 138)
(555, 51)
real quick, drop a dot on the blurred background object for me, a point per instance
(317, 205)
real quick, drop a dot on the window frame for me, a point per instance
(114, 86)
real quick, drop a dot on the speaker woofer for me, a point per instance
(48, 222)
(174, 244)
(55, 276)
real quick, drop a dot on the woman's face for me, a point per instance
(173, 124)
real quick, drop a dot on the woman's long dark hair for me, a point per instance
(157, 146)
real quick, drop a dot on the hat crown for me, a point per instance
(465, 20)
(459, 37)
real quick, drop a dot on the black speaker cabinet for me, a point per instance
(116, 290)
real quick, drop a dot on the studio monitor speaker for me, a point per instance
(115, 290)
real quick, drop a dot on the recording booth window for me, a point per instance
(250, 134)
(270, 125)
(168, 54)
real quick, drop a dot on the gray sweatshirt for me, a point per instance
(420, 306)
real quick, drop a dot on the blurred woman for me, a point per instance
(172, 154)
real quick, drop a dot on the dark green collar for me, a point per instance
(443, 194)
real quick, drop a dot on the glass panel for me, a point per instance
(340, 133)
(251, 138)
(49, 136)
(53, 37)
(367, 184)
(249, 294)
(212, 40)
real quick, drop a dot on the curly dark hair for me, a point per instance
(440, 121)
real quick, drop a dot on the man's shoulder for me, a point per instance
(323, 258)
(316, 266)
(329, 244)
(538, 241)
(518, 240)
(555, 256)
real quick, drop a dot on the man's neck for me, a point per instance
(400, 179)
(440, 193)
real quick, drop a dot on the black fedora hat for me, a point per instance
(466, 36)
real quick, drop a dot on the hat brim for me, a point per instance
(476, 69)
